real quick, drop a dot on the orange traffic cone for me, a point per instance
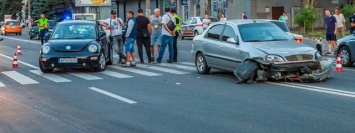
(15, 64)
(19, 50)
(339, 67)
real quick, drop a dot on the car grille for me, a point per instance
(300, 57)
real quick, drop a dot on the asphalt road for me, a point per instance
(163, 98)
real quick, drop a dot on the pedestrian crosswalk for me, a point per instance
(27, 77)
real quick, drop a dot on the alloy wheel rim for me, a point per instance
(102, 61)
(200, 63)
(344, 55)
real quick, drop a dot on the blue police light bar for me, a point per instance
(68, 17)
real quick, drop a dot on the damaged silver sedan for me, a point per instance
(257, 50)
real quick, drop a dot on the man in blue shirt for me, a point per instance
(331, 30)
(352, 23)
(130, 38)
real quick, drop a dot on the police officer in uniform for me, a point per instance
(352, 23)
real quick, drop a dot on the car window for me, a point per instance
(215, 31)
(214, 19)
(12, 23)
(74, 31)
(282, 25)
(51, 23)
(187, 22)
(194, 21)
(258, 32)
(228, 33)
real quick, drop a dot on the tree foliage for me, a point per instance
(53, 9)
(347, 10)
(306, 17)
(11, 7)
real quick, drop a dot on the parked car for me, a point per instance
(346, 49)
(283, 26)
(193, 26)
(76, 44)
(228, 45)
(11, 27)
(51, 25)
(34, 32)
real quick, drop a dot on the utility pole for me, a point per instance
(29, 14)
(147, 8)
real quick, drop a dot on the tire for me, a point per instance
(345, 56)
(43, 69)
(201, 64)
(31, 37)
(182, 37)
(38, 37)
(102, 63)
(20, 34)
(196, 33)
(110, 62)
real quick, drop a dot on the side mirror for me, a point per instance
(233, 40)
(102, 34)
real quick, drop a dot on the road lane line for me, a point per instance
(115, 74)
(24, 63)
(178, 66)
(112, 95)
(20, 78)
(187, 63)
(167, 70)
(349, 70)
(85, 76)
(312, 89)
(323, 88)
(137, 71)
(50, 76)
(23, 40)
(2, 85)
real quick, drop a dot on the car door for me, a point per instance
(183, 28)
(193, 26)
(231, 55)
(211, 45)
(103, 41)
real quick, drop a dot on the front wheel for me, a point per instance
(345, 56)
(201, 64)
(196, 33)
(102, 63)
(43, 69)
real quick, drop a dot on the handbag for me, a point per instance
(171, 25)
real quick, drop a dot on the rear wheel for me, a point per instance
(345, 56)
(43, 69)
(102, 63)
(196, 33)
(201, 64)
(20, 34)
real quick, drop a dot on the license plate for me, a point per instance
(13, 26)
(67, 60)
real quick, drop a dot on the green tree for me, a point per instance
(11, 7)
(51, 8)
(348, 10)
(306, 17)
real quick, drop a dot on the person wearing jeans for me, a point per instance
(168, 36)
(43, 28)
(178, 23)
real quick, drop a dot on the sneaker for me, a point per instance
(153, 62)
(134, 64)
(126, 65)
(152, 59)
(328, 53)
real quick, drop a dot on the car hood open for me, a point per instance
(70, 45)
(283, 48)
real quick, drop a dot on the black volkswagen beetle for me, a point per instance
(76, 44)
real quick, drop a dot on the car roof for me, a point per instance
(77, 22)
(243, 21)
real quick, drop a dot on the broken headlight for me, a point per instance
(318, 56)
(274, 59)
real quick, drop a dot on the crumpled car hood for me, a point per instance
(283, 48)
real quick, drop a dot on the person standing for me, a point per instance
(168, 36)
(115, 25)
(331, 30)
(352, 23)
(205, 22)
(156, 32)
(43, 28)
(144, 30)
(283, 17)
(340, 22)
(223, 17)
(178, 23)
(244, 16)
(130, 37)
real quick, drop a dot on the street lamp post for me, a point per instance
(147, 6)
(29, 14)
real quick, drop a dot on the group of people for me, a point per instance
(335, 26)
(150, 32)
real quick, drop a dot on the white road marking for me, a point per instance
(22, 40)
(24, 63)
(85, 76)
(20, 78)
(178, 66)
(167, 70)
(115, 74)
(187, 63)
(314, 89)
(112, 95)
(51, 76)
(350, 70)
(146, 73)
(2, 85)
(323, 88)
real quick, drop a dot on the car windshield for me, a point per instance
(13, 23)
(74, 31)
(259, 32)
(282, 25)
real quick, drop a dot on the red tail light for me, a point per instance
(299, 40)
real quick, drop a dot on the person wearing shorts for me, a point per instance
(131, 34)
(155, 20)
(331, 31)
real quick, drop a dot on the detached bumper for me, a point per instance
(321, 74)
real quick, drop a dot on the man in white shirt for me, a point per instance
(340, 22)
(115, 25)
(205, 22)
(167, 36)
